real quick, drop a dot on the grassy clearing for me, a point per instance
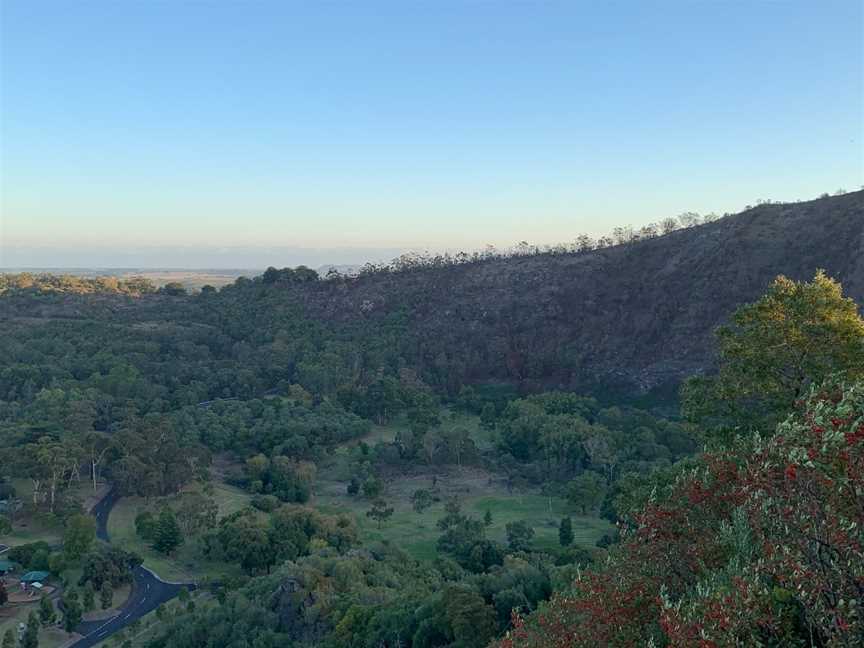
(29, 526)
(542, 513)
(478, 492)
(230, 499)
(477, 489)
(185, 564)
(42, 526)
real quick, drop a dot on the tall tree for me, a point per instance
(88, 597)
(565, 532)
(168, 535)
(72, 611)
(96, 445)
(796, 335)
(31, 634)
(519, 535)
(47, 615)
(587, 491)
(380, 512)
(78, 536)
(471, 619)
(106, 596)
(487, 518)
(421, 499)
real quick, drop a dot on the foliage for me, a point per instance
(287, 479)
(797, 335)
(108, 565)
(32, 556)
(421, 499)
(31, 632)
(761, 544)
(380, 512)
(587, 490)
(464, 539)
(565, 532)
(167, 535)
(258, 542)
(145, 525)
(363, 598)
(26, 282)
(72, 610)
(88, 597)
(78, 536)
(106, 595)
(519, 536)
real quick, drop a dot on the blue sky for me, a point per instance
(142, 125)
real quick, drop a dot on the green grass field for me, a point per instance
(186, 563)
(417, 533)
(477, 490)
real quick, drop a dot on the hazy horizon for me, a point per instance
(189, 258)
(195, 127)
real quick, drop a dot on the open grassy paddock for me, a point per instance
(478, 492)
(477, 489)
(185, 565)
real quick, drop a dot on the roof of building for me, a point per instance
(34, 576)
(6, 566)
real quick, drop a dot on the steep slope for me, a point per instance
(631, 319)
(638, 316)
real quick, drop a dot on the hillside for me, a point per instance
(639, 316)
(629, 319)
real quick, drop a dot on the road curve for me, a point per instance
(148, 590)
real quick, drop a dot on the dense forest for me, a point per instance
(655, 439)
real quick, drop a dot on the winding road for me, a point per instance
(148, 590)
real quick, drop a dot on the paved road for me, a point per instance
(101, 511)
(148, 590)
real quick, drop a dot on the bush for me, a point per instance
(145, 525)
(353, 486)
(266, 503)
(372, 487)
(31, 556)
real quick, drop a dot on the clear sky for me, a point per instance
(138, 125)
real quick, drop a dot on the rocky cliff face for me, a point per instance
(638, 316)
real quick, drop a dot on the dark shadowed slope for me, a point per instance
(635, 317)
(639, 314)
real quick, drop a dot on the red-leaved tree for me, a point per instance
(762, 544)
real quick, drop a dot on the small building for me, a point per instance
(10, 506)
(6, 566)
(34, 577)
